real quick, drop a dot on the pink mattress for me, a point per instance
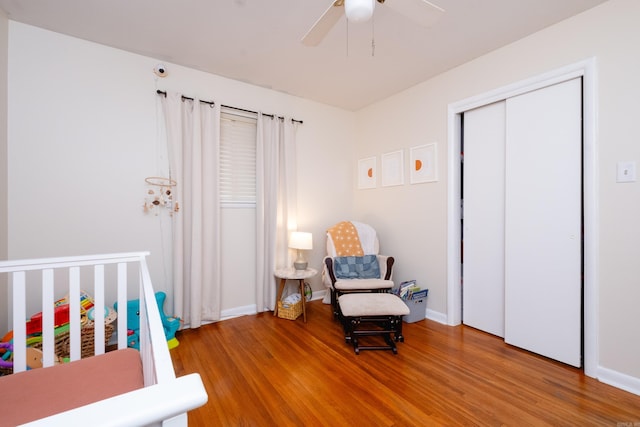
(38, 393)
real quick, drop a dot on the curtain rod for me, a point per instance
(184, 98)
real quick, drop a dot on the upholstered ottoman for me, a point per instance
(372, 314)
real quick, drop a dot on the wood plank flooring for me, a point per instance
(265, 371)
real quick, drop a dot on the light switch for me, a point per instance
(626, 172)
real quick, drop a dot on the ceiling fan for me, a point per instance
(422, 12)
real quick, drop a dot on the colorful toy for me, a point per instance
(8, 337)
(171, 324)
(34, 356)
(60, 315)
(34, 330)
(7, 354)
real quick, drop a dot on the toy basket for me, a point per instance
(87, 334)
(289, 311)
(63, 340)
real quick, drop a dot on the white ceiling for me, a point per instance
(258, 41)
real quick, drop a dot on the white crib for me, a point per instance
(165, 399)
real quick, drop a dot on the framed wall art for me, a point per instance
(367, 173)
(393, 168)
(424, 163)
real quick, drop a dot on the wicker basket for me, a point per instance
(87, 344)
(87, 333)
(289, 311)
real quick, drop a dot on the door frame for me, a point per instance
(587, 70)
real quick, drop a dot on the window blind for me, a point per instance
(237, 180)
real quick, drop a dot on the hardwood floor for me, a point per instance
(266, 371)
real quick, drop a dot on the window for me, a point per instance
(238, 134)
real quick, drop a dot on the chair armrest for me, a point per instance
(386, 266)
(328, 269)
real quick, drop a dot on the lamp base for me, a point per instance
(300, 265)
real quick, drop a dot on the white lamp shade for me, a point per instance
(301, 240)
(358, 10)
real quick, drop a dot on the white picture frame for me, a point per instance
(393, 168)
(423, 161)
(367, 173)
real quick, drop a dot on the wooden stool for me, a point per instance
(372, 314)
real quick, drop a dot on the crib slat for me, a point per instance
(122, 305)
(48, 339)
(98, 309)
(74, 313)
(19, 325)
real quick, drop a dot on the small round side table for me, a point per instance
(285, 274)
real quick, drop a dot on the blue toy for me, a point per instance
(171, 324)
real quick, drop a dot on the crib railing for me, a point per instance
(47, 266)
(161, 384)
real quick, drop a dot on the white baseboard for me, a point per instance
(315, 295)
(238, 311)
(436, 316)
(619, 380)
(252, 308)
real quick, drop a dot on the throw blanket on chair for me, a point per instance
(367, 236)
(345, 239)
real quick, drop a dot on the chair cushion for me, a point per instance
(362, 284)
(356, 305)
(356, 267)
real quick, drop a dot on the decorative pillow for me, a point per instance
(356, 267)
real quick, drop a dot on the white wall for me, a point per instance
(419, 115)
(82, 137)
(4, 227)
(83, 134)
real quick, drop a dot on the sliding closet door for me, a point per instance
(543, 251)
(483, 222)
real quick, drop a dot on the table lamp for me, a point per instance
(300, 241)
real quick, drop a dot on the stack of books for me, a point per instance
(408, 290)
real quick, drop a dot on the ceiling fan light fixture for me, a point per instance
(358, 10)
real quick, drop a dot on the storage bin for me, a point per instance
(417, 310)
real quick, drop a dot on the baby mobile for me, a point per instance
(160, 195)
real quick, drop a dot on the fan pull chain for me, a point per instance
(347, 44)
(373, 36)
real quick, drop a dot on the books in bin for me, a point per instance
(409, 290)
(419, 294)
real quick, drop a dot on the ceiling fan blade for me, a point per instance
(323, 25)
(422, 12)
